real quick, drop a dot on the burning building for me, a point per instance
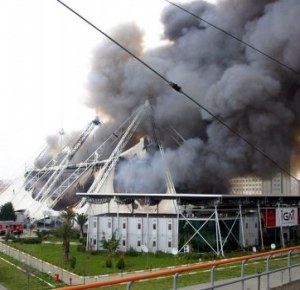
(250, 93)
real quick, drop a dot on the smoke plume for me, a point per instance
(252, 94)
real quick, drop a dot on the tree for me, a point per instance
(111, 245)
(68, 217)
(42, 235)
(81, 219)
(7, 212)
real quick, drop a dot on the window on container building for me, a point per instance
(169, 227)
(138, 243)
(139, 226)
(154, 226)
(169, 244)
(153, 244)
(124, 243)
(109, 224)
(124, 225)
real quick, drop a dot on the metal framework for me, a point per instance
(122, 135)
(49, 194)
(111, 162)
(48, 187)
(93, 160)
(225, 211)
(48, 190)
(176, 136)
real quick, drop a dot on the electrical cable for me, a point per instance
(235, 37)
(113, 40)
(178, 89)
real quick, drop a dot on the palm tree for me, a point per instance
(66, 230)
(81, 219)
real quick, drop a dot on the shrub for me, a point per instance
(52, 232)
(31, 241)
(56, 233)
(42, 235)
(82, 241)
(159, 253)
(132, 252)
(108, 262)
(73, 262)
(94, 253)
(121, 263)
(80, 248)
(14, 239)
(193, 256)
(27, 240)
(73, 235)
(209, 256)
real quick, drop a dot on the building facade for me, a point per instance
(246, 185)
(204, 224)
(278, 183)
(139, 232)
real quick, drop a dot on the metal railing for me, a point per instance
(212, 266)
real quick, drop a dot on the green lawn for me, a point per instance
(15, 279)
(88, 264)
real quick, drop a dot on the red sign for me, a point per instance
(275, 217)
(269, 217)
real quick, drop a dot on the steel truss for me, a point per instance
(214, 216)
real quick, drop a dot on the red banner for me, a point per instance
(268, 217)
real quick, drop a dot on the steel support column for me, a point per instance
(218, 233)
(242, 225)
(260, 227)
(281, 228)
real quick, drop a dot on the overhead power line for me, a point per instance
(178, 89)
(236, 38)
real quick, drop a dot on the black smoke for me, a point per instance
(253, 95)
